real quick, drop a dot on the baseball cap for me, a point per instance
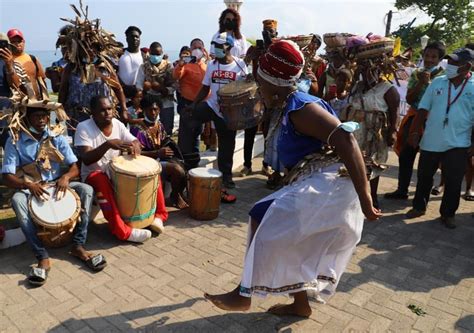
(15, 32)
(463, 55)
(4, 37)
(223, 38)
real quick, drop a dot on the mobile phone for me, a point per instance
(4, 44)
(260, 45)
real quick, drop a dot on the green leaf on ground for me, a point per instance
(416, 310)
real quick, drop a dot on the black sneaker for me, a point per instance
(448, 222)
(396, 195)
(228, 183)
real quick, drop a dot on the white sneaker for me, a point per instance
(139, 235)
(13, 237)
(157, 226)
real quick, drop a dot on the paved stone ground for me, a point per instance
(158, 286)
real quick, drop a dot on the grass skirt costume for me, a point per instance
(308, 229)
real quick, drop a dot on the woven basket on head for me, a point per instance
(336, 40)
(373, 50)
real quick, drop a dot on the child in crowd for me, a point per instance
(340, 96)
(151, 134)
(135, 110)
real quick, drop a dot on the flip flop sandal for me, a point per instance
(436, 190)
(38, 276)
(469, 196)
(96, 263)
(227, 198)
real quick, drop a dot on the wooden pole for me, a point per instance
(389, 23)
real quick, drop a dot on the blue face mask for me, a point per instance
(34, 130)
(350, 126)
(149, 120)
(220, 53)
(452, 71)
(156, 59)
(303, 85)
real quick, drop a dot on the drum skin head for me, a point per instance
(205, 173)
(53, 212)
(137, 166)
(237, 88)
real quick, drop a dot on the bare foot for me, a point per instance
(293, 309)
(231, 301)
(180, 202)
(44, 263)
(81, 253)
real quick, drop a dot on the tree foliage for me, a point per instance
(452, 21)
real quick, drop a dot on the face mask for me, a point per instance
(303, 85)
(34, 130)
(149, 120)
(452, 71)
(197, 53)
(156, 59)
(220, 53)
(229, 24)
(350, 126)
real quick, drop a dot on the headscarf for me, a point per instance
(282, 64)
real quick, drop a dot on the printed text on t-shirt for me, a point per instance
(221, 76)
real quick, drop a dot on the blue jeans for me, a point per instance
(20, 206)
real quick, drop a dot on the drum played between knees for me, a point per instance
(55, 219)
(204, 193)
(136, 180)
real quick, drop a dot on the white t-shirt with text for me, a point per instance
(218, 75)
(89, 135)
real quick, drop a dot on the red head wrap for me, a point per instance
(282, 64)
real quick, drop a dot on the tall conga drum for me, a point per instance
(204, 193)
(55, 219)
(136, 180)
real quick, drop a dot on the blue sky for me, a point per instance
(175, 23)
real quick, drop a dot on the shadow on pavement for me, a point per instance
(255, 321)
(413, 256)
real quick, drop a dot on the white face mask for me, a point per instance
(452, 71)
(197, 53)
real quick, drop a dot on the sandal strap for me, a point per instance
(97, 260)
(38, 272)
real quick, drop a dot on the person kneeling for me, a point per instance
(24, 156)
(152, 136)
(98, 141)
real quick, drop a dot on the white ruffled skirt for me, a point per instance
(306, 237)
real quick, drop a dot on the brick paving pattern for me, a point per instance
(158, 286)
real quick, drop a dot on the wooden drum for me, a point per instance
(204, 189)
(240, 104)
(136, 181)
(55, 219)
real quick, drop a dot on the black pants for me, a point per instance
(226, 137)
(249, 140)
(453, 167)
(406, 160)
(188, 135)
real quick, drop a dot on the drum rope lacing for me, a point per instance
(152, 210)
